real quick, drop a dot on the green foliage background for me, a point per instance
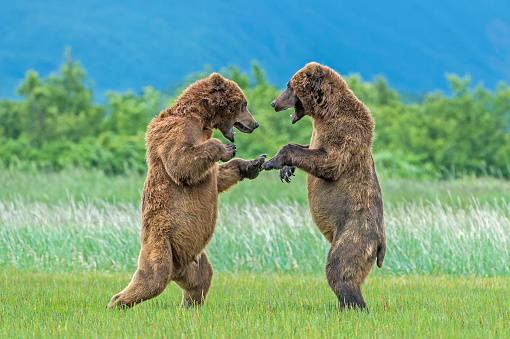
(58, 125)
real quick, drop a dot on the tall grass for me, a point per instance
(438, 238)
(423, 237)
(86, 185)
(78, 184)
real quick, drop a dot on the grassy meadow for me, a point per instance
(70, 240)
(255, 305)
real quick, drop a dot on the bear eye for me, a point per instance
(245, 104)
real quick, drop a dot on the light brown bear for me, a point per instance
(180, 195)
(343, 191)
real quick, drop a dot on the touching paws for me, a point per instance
(280, 159)
(230, 152)
(272, 164)
(253, 167)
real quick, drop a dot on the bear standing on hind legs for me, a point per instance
(343, 191)
(180, 195)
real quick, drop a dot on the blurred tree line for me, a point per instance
(58, 125)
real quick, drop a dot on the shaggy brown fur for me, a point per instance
(180, 195)
(343, 190)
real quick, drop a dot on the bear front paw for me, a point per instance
(272, 164)
(254, 167)
(230, 152)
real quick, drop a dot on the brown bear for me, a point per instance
(180, 195)
(343, 191)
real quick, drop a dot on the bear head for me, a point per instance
(222, 105)
(310, 91)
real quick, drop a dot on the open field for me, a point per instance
(70, 240)
(256, 305)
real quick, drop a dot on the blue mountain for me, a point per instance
(132, 44)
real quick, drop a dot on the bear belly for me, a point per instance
(330, 206)
(186, 215)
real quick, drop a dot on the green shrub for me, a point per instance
(57, 125)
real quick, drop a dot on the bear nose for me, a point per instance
(256, 124)
(273, 104)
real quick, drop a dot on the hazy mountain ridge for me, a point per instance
(135, 44)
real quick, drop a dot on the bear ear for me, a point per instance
(216, 79)
(315, 80)
(217, 89)
(316, 84)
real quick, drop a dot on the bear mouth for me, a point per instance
(299, 112)
(242, 127)
(229, 133)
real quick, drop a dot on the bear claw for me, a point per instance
(286, 172)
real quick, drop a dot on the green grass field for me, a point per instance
(70, 240)
(256, 305)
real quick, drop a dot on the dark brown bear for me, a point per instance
(180, 195)
(343, 191)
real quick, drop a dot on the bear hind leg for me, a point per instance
(195, 281)
(349, 295)
(151, 278)
(346, 270)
